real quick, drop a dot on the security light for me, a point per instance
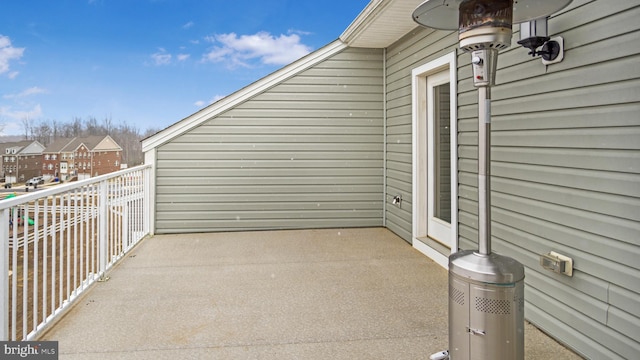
(533, 35)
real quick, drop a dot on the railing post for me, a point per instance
(4, 274)
(103, 217)
(146, 202)
(126, 237)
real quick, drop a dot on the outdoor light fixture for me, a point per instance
(486, 290)
(533, 35)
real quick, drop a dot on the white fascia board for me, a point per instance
(242, 95)
(360, 23)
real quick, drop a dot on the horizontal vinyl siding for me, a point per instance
(565, 168)
(566, 175)
(417, 48)
(306, 153)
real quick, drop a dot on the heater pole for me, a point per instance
(486, 278)
(484, 170)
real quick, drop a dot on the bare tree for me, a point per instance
(76, 127)
(92, 126)
(107, 125)
(127, 136)
(42, 132)
(55, 129)
(26, 126)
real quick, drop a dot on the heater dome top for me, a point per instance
(444, 14)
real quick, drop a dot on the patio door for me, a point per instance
(435, 158)
(439, 157)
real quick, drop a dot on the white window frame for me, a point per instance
(420, 153)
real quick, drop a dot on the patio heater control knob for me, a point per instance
(476, 60)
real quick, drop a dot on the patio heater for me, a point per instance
(486, 290)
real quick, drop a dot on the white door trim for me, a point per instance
(420, 153)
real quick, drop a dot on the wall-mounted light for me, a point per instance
(534, 36)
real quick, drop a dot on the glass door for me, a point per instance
(439, 158)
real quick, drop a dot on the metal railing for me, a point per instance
(57, 241)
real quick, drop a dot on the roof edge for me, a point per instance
(363, 20)
(241, 95)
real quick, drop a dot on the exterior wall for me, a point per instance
(29, 166)
(80, 159)
(105, 162)
(50, 166)
(67, 165)
(10, 166)
(567, 177)
(306, 153)
(417, 48)
(565, 169)
(106, 157)
(29, 161)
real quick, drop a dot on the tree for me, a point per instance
(42, 132)
(127, 136)
(107, 125)
(92, 127)
(26, 126)
(76, 127)
(55, 129)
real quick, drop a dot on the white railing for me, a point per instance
(57, 241)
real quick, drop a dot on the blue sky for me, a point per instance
(148, 63)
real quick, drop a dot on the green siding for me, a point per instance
(309, 153)
(306, 153)
(565, 168)
(415, 49)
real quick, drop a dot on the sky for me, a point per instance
(148, 63)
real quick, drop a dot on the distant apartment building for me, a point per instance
(52, 167)
(81, 158)
(21, 160)
(64, 159)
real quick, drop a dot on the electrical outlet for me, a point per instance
(557, 263)
(397, 200)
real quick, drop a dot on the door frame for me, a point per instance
(420, 152)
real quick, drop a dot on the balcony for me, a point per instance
(94, 281)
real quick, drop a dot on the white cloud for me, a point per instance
(201, 103)
(34, 113)
(161, 57)
(218, 97)
(267, 48)
(7, 54)
(218, 54)
(299, 32)
(188, 25)
(30, 91)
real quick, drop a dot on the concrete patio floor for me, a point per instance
(309, 294)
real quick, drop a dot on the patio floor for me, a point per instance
(308, 294)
